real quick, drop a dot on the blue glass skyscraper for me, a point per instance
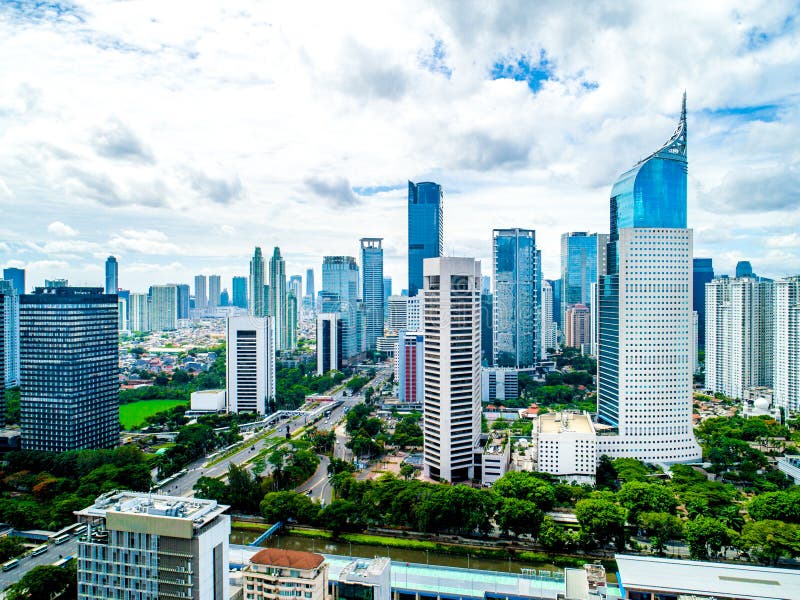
(339, 294)
(702, 273)
(372, 289)
(582, 259)
(16, 277)
(645, 312)
(425, 229)
(517, 296)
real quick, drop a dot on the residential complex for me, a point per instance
(410, 366)
(787, 343)
(256, 305)
(273, 574)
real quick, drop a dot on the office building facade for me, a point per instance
(183, 301)
(296, 286)
(583, 258)
(310, 283)
(645, 313)
(9, 338)
(425, 229)
(372, 289)
(16, 277)
(239, 286)
(410, 366)
(577, 326)
(69, 369)
(414, 313)
(549, 327)
(329, 342)
(140, 545)
(397, 314)
(250, 364)
(112, 275)
(452, 354)
(516, 324)
(487, 338)
(214, 291)
(702, 273)
(291, 321)
(200, 292)
(277, 298)
(340, 294)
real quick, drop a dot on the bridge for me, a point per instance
(266, 534)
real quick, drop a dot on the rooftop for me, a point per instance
(365, 568)
(565, 422)
(721, 580)
(198, 511)
(293, 559)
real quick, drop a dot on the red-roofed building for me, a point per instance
(274, 574)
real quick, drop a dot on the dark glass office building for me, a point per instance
(183, 301)
(702, 273)
(425, 229)
(69, 369)
(240, 292)
(16, 277)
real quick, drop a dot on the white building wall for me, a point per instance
(250, 363)
(218, 533)
(787, 344)
(414, 313)
(11, 338)
(655, 343)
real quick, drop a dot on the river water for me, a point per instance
(301, 542)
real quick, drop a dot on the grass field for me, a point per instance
(132, 415)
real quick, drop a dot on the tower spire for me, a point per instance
(675, 147)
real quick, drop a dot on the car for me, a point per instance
(308, 492)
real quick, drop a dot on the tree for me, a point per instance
(638, 496)
(705, 536)
(407, 471)
(526, 486)
(342, 516)
(211, 489)
(10, 547)
(660, 527)
(777, 506)
(280, 506)
(519, 516)
(771, 540)
(554, 538)
(602, 521)
(45, 581)
(244, 491)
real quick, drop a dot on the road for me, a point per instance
(69, 548)
(183, 485)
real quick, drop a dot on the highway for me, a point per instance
(69, 548)
(184, 484)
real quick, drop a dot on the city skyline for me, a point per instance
(132, 174)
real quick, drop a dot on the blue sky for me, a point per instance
(178, 136)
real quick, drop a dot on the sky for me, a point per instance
(178, 136)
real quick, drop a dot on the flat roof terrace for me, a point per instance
(566, 422)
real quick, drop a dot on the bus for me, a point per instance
(62, 539)
(80, 530)
(63, 562)
(39, 550)
(11, 564)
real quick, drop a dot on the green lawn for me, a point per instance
(132, 415)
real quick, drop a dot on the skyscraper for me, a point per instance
(645, 337)
(744, 269)
(183, 301)
(787, 343)
(487, 334)
(239, 286)
(398, 313)
(277, 299)
(140, 312)
(163, 307)
(410, 366)
(372, 289)
(577, 326)
(556, 285)
(740, 331)
(583, 257)
(250, 364)
(200, 293)
(387, 291)
(112, 275)
(69, 369)
(517, 296)
(549, 327)
(329, 342)
(702, 273)
(452, 390)
(9, 338)
(425, 229)
(310, 283)
(16, 277)
(340, 294)
(214, 291)
(291, 320)
(257, 304)
(4, 293)
(296, 286)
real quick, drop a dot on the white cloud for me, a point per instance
(791, 240)
(143, 242)
(61, 229)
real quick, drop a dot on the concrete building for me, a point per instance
(577, 326)
(200, 292)
(208, 401)
(365, 579)
(274, 574)
(787, 344)
(140, 312)
(372, 289)
(122, 312)
(414, 313)
(452, 329)
(112, 275)
(250, 364)
(498, 384)
(291, 321)
(397, 313)
(214, 292)
(257, 303)
(69, 368)
(163, 307)
(496, 458)
(567, 446)
(740, 335)
(645, 313)
(140, 545)
(549, 326)
(410, 366)
(329, 343)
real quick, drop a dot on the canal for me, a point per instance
(326, 546)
